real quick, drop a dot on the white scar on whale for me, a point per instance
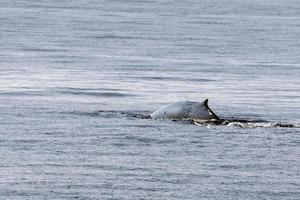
(186, 110)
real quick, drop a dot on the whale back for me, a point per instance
(185, 110)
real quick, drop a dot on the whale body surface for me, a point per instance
(186, 110)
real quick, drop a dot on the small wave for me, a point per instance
(22, 93)
(112, 114)
(247, 124)
(210, 22)
(148, 141)
(116, 37)
(85, 89)
(30, 49)
(104, 114)
(170, 78)
(97, 94)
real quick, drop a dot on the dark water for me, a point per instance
(76, 77)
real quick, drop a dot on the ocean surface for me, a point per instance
(77, 79)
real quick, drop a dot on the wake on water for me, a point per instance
(142, 114)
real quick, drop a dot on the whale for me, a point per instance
(186, 110)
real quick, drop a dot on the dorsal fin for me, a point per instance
(205, 102)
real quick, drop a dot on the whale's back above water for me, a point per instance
(185, 110)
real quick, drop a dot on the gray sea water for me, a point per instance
(76, 77)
